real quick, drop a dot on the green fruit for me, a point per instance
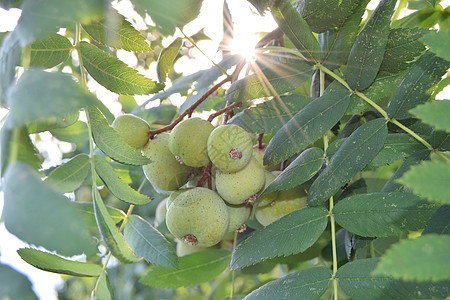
(237, 187)
(174, 195)
(186, 249)
(270, 197)
(188, 141)
(132, 129)
(229, 148)
(198, 217)
(164, 172)
(258, 154)
(287, 202)
(160, 213)
(239, 214)
(322, 15)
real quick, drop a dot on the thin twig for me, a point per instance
(224, 110)
(259, 140)
(206, 175)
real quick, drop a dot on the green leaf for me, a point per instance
(76, 133)
(417, 85)
(336, 44)
(432, 249)
(10, 53)
(110, 142)
(296, 29)
(354, 154)
(392, 185)
(114, 74)
(149, 243)
(87, 208)
(116, 185)
(397, 146)
(39, 18)
(356, 281)
(278, 78)
(306, 284)
(58, 94)
(367, 52)
(383, 214)
(104, 290)
(70, 175)
(169, 15)
(49, 52)
(440, 140)
(303, 168)
(26, 151)
(116, 32)
(308, 125)
(306, 224)
(434, 113)
(379, 92)
(210, 76)
(61, 121)
(430, 179)
(439, 222)
(28, 202)
(271, 115)
(403, 46)
(193, 269)
(166, 59)
(111, 235)
(56, 264)
(14, 285)
(439, 43)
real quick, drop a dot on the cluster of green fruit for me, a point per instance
(202, 216)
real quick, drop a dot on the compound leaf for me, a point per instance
(306, 224)
(438, 43)
(149, 243)
(70, 175)
(114, 74)
(49, 52)
(383, 214)
(166, 59)
(56, 264)
(434, 113)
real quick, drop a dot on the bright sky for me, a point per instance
(246, 23)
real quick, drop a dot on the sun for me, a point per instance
(243, 43)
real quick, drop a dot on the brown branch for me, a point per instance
(224, 110)
(259, 140)
(190, 109)
(206, 175)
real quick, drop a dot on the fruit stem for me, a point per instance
(190, 110)
(206, 176)
(226, 109)
(259, 140)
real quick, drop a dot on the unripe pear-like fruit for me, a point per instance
(160, 213)
(237, 187)
(198, 217)
(132, 129)
(186, 249)
(258, 154)
(188, 141)
(174, 195)
(164, 172)
(287, 202)
(272, 196)
(239, 214)
(230, 148)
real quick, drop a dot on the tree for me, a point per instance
(347, 114)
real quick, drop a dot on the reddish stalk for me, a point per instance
(259, 140)
(206, 176)
(224, 110)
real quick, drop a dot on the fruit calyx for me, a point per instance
(235, 153)
(190, 239)
(251, 199)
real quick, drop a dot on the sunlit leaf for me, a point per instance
(110, 142)
(56, 264)
(429, 180)
(14, 285)
(434, 113)
(87, 208)
(296, 29)
(49, 52)
(10, 52)
(104, 289)
(417, 85)
(357, 282)
(58, 94)
(39, 18)
(116, 32)
(439, 43)
(354, 154)
(28, 202)
(306, 224)
(270, 116)
(147, 242)
(367, 52)
(192, 270)
(75, 133)
(114, 74)
(111, 235)
(306, 284)
(166, 59)
(50, 123)
(308, 125)
(383, 214)
(70, 175)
